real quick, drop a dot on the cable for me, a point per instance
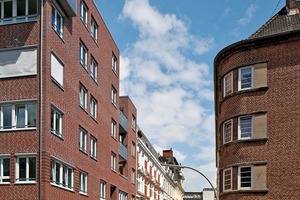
(275, 8)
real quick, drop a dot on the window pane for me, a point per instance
(69, 178)
(32, 7)
(22, 169)
(64, 180)
(6, 166)
(7, 121)
(31, 112)
(8, 9)
(20, 112)
(21, 7)
(52, 173)
(57, 123)
(32, 168)
(246, 78)
(57, 173)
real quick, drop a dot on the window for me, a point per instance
(133, 122)
(114, 96)
(83, 183)
(93, 147)
(83, 13)
(227, 179)
(245, 78)
(82, 140)
(57, 70)
(245, 177)
(83, 55)
(113, 128)
(94, 68)
(114, 63)
(4, 169)
(122, 195)
(62, 174)
(17, 116)
(132, 176)
(227, 132)
(56, 122)
(83, 97)
(93, 108)
(18, 11)
(133, 149)
(113, 161)
(245, 127)
(102, 190)
(94, 29)
(26, 169)
(227, 84)
(57, 21)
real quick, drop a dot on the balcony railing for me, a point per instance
(123, 122)
(123, 151)
(70, 7)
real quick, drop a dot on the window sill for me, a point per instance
(60, 36)
(14, 20)
(59, 186)
(83, 193)
(94, 119)
(83, 151)
(59, 136)
(264, 88)
(245, 191)
(95, 40)
(123, 176)
(94, 158)
(84, 109)
(18, 129)
(261, 140)
(84, 66)
(25, 182)
(5, 183)
(57, 84)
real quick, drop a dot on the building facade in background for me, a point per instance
(257, 111)
(64, 131)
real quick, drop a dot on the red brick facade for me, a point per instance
(65, 148)
(273, 157)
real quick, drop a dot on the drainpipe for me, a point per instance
(41, 100)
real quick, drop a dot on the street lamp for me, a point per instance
(180, 166)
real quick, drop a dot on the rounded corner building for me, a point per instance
(257, 108)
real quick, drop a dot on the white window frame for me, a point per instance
(240, 128)
(57, 114)
(83, 55)
(133, 122)
(93, 107)
(15, 18)
(14, 115)
(240, 178)
(228, 84)
(83, 97)
(114, 96)
(93, 147)
(65, 174)
(240, 78)
(123, 195)
(133, 149)
(225, 131)
(58, 23)
(113, 128)
(133, 176)
(4, 179)
(113, 161)
(27, 172)
(82, 139)
(114, 63)
(224, 179)
(102, 190)
(94, 70)
(83, 183)
(83, 12)
(94, 29)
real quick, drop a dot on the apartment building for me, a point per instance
(257, 111)
(154, 180)
(62, 134)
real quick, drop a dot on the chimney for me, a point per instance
(292, 7)
(168, 153)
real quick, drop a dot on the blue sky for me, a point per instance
(167, 51)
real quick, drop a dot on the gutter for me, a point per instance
(41, 101)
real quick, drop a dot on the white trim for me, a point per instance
(239, 127)
(239, 78)
(224, 83)
(224, 129)
(239, 178)
(228, 169)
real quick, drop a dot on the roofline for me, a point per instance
(242, 46)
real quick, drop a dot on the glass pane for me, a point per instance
(64, 181)
(21, 7)
(52, 172)
(32, 7)
(57, 173)
(53, 17)
(6, 166)
(7, 121)
(8, 9)
(32, 168)
(69, 178)
(22, 169)
(52, 119)
(20, 112)
(57, 123)
(31, 111)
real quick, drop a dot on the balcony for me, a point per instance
(70, 6)
(123, 122)
(123, 152)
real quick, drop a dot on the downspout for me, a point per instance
(41, 100)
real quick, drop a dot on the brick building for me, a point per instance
(62, 134)
(257, 111)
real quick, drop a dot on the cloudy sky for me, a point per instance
(167, 50)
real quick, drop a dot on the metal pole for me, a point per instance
(180, 166)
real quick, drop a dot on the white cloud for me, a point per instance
(248, 15)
